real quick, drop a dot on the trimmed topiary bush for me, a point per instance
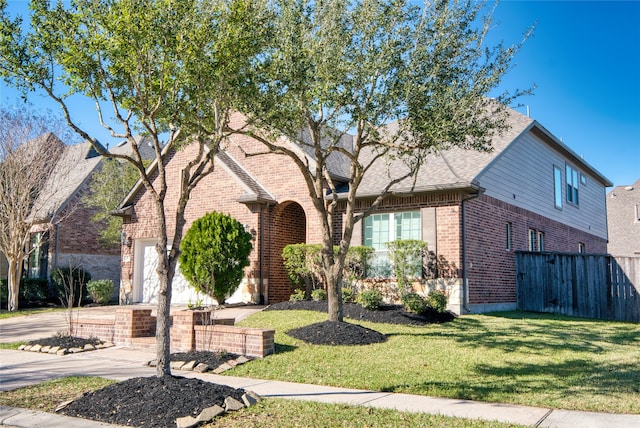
(370, 299)
(100, 290)
(214, 253)
(437, 300)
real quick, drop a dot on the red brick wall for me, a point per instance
(78, 234)
(290, 227)
(490, 267)
(220, 191)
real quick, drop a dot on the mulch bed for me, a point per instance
(344, 333)
(150, 401)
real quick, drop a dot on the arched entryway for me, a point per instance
(289, 227)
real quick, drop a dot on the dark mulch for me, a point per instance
(212, 359)
(65, 341)
(389, 314)
(343, 333)
(150, 401)
(337, 333)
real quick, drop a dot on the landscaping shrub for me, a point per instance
(406, 257)
(437, 300)
(100, 290)
(370, 299)
(358, 260)
(32, 290)
(213, 254)
(297, 295)
(70, 283)
(348, 295)
(302, 263)
(319, 294)
(413, 302)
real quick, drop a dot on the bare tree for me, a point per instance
(28, 154)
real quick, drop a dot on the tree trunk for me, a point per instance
(334, 293)
(13, 283)
(163, 338)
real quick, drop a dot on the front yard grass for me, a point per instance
(511, 357)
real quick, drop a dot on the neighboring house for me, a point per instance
(64, 234)
(474, 210)
(623, 214)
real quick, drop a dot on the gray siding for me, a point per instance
(522, 175)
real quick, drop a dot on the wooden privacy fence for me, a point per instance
(582, 285)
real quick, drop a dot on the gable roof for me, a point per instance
(73, 169)
(253, 190)
(458, 168)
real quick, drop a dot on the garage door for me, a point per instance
(148, 284)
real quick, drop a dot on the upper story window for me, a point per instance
(379, 229)
(532, 240)
(581, 247)
(573, 181)
(540, 241)
(557, 186)
(508, 230)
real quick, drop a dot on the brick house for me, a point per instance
(474, 209)
(64, 234)
(623, 217)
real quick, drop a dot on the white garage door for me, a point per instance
(147, 284)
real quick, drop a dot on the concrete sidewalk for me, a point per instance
(19, 368)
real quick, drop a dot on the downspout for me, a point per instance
(465, 279)
(261, 258)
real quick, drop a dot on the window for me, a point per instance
(37, 263)
(379, 229)
(557, 186)
(508, 236)
(532, 240)
(636, 219)
(572, 178)
(581, 247)
(540, 241)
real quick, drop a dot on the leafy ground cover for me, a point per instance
(512, 357)
(267, 413)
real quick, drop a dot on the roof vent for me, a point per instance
(628, 188)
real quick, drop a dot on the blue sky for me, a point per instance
(584, 59)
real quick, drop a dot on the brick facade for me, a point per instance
(291, 219)
(466, 233)
(490, 267)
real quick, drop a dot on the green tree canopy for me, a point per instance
(172, 70)
(214, 253)
(404, 80)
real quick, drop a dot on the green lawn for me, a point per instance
(511, 357)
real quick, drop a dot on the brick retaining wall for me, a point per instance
(190, 330)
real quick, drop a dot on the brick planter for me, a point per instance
(190, 330)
